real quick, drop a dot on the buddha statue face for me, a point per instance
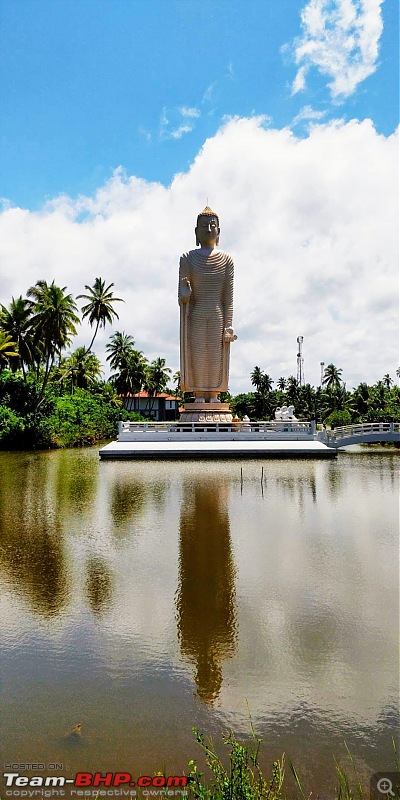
(207, 230)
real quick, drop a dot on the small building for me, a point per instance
(162, 407)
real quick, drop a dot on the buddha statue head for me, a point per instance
(207, 229)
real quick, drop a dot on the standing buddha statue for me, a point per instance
(205, 296)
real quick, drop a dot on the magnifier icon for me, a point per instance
(385, 786)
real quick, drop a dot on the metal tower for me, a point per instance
(300, 361)
(322, 365)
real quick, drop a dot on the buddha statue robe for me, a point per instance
(205, 297)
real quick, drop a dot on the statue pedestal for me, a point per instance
(206, 412)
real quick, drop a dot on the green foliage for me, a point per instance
(11, 425)
(82, 419)
(81, 368)
(338, 418)
(22, 395)
(243, 778)
(8, 350)
(243, 404)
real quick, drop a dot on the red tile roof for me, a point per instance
(145, 395)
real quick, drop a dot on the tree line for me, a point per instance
(330, 403)
(52, 397)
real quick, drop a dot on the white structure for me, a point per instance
(285, 413)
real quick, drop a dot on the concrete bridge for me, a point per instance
(364, 433)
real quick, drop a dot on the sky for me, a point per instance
(121, 119)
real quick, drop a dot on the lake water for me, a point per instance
(140, 599)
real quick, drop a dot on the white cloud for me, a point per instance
(230, 71)
(189, 112)
(311, 224)
(179, 132)
(341, 39)
(180, 125)
(209, 92)
(307, 113)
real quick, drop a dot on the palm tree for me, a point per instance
(307, 401)
(53, 323)
(157, 378)
(129, 364)
(16, 321)
(281, 384)
(120, 347)
(337, 399)
(256, 377)
(131, 375)
(332, 377)
(265, 384)
(361, 396)
(177, 381)
(83, 367)
(387, 381)
(379, 394)
(99, 309)
(8, 349)
(292, 389)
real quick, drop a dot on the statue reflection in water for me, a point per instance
(206, 610)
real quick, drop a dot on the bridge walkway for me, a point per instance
(364, 433)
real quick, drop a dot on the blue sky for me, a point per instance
(119, 119)
(89, 85)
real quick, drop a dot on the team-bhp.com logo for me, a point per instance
(24, 786)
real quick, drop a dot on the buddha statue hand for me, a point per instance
(186, 290)
(229, 335)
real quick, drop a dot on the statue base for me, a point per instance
(206, 412)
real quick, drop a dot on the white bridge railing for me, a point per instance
(128, 431)
(364, 432)
(276, 430)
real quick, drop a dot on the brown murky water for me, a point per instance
(140, 599)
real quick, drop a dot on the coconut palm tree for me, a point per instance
(292, 389)
(256, 378)
(120, 347)
(53, 323)
(281, 384)
(132, 374)
(337, 399)
(361, 396)
(99, 309)
(129, 364)
(387, 381)
(177, 381)
(265, 384)
(307, 401)
(8, 349)
(332, 377)
(157, 379)
(16, 321)
(83, 367)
